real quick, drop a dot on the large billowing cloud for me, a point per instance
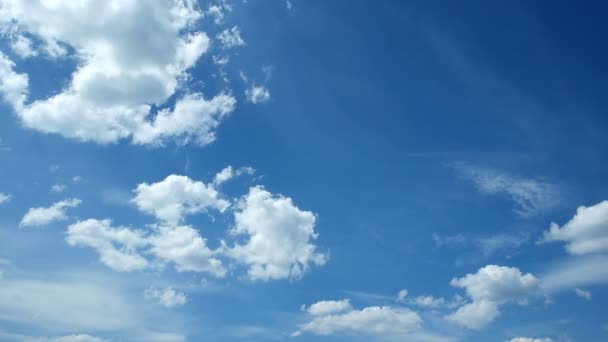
(132, 56)
(585, 233)
(278, 237)
(488, 288)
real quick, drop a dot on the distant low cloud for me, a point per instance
(531, 196)
(42, 216)
(528, 339)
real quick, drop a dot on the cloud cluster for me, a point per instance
(132, 57)
(488, 288)
(273, 238)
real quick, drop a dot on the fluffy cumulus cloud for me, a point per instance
(529, 339)
(131, 56)
(279, 237)
(43, 216)
(585, 233)
(373, 320)
(125, 249)
(531, 196)
(488, 288)
(176, 196)
(167, 297)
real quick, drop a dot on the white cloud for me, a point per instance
(583, 294)
(5, 198)
(531, 196)
(327, 307)
(231, 38)
(117, 247)
(529, 339)
(43, 216)
(184, 247)
(494, 244)
(401, 295)
(13, 86)
(428, 301)
(585, 233)
(228, 173)
(257, 94)
(131, 55)
(218, 12)
(475, 315)
(490, 287)
(23, 47)
(177, 196)
(167, 297)
(279, 237)
(58, 188)
(373, 320)
(125, 249)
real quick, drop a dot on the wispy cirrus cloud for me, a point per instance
(530, 196)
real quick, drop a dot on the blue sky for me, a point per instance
(296, 170)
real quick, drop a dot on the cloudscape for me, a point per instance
(303, 170)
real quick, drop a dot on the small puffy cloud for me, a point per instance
(531, 196)
(125, 249)
(228, 173)
(43, 216)
(327, 307)
(133, 58)
(401, 295)
(529, 339)
(488, 288)
(257, 94)
(278, 237)
(218, 12)
(374, 320)
(167, 297)
(231, 38)
(585, 233)
(5, 198)
(583, 293)
(177, 196)
(58, 188)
